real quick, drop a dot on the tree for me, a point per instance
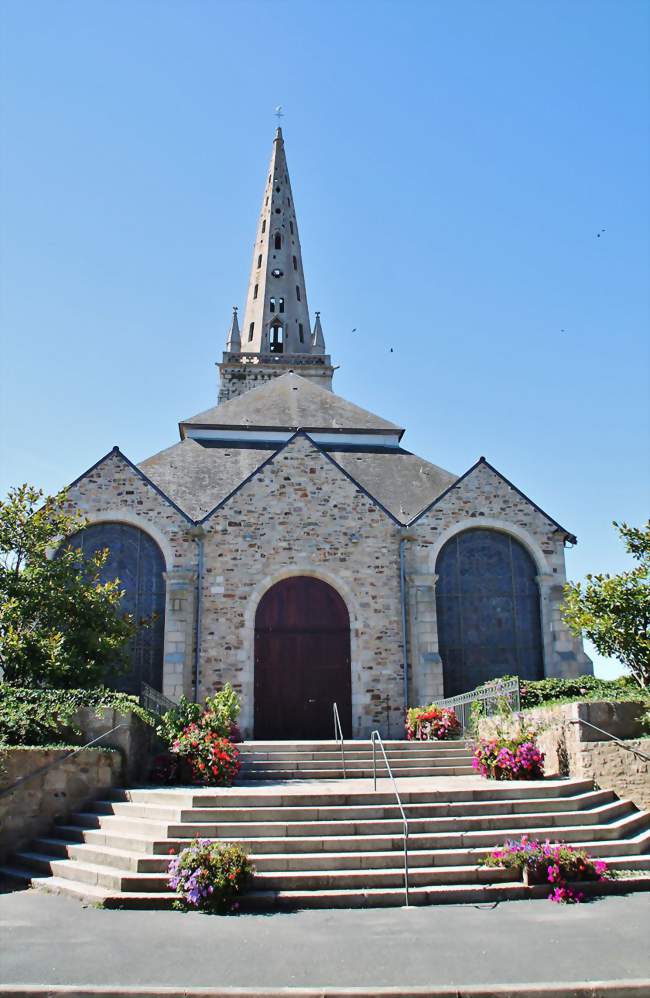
(613, 611)
(60, 625)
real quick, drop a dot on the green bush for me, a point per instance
(545, 691)
(218, 714)
(39, 717)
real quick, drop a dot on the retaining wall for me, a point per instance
(573, 749)
(51, 796)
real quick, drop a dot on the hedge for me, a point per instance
(45, 717)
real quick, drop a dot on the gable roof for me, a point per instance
(482, 461)
(300, 434)
(199, 477)
(289, 402)
(116, 452)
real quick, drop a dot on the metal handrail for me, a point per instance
(338, 736)
(374, 738)
(154, 700)
(57, 762)
(618, 741)
(490, 694)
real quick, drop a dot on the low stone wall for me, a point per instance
(136, 740)
(573, 749)
(30, 809)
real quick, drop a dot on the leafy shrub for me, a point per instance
(544, 691)
(428, 723)
(514, 757)
(38, 717)
(219, 714)
(212, 759)
(546, 862)
(60, 624)
(209, 876)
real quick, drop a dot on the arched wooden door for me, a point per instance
(302, 661)
(488, 610)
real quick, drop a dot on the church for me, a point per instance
(290, 544)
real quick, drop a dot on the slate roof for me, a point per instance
(198, 477)
(402, 482)
(291, 402)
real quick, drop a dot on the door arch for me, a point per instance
(136, 560)
(488, 611)
(302, 661)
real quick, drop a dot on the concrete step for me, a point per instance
(373, 811)
(269, 900)
(283, 775)
(240, 797)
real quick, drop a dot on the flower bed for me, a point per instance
(209, 876)
(212, 759)
(515, 758)
(425, 724)
(544, 862)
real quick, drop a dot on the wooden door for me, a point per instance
(302, 661)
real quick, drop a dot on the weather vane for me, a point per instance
(279, 113)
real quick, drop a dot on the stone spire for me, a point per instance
(233, 341)
(318, 340)
(276, 335)
(276, 320)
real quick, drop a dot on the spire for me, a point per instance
(318, 340)
(276, 320)
(233, 342)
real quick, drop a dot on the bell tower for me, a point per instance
(276, 334)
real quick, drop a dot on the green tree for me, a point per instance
(60, 625)
(613, 611)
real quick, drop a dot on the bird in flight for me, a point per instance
(599, 234)
(354, 330)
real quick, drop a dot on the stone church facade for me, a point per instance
(288, 543)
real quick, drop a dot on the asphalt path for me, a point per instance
(46, 939)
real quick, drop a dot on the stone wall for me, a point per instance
(51, 796)
(136, 741)
(299, 515)
(573, 749)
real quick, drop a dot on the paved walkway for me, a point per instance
(55, 940)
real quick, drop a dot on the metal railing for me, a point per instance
(154, 700)
(375, 738)
(338, 736)
(608, 734)
(57, 762)
(492, 696)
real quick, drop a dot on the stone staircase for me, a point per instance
(335, 843)
(322, 760)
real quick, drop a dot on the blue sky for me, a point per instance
(452, 164)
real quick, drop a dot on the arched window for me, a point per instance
(259, 261)
(298, 292)
(276, 340)
(295, 263)
(487, 601)
(291, 227)
(301, 332)
(271, 304)
(263, 225)
(250, 331)
(136, 560)
(277, 242)
(280, 304)
(255, 291)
